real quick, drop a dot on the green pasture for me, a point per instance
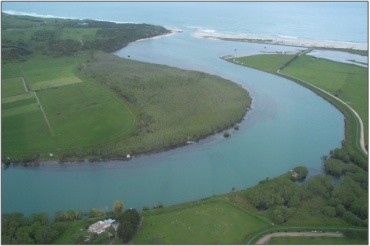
(12, 87)
(266, 62)
(79, 111)
(24, 132)
(213, 221)
(316, 241)
(47, 84)
(84, 115)
(79, 33)
(41, 68)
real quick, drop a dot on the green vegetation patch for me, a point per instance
(212, 221)
(12, 87)
(174, 105)
(316, 241)
(20, 109)
(24, 132)
(267, 62)
(16, 98)
(56, 82)
(84, 115)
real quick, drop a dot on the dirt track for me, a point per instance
(265, 239)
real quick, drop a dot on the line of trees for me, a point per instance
(38, 229)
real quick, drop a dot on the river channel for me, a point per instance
(287, 126)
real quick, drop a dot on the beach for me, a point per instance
(281, 41)
(172, 31)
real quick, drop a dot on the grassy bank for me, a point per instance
(348, 82)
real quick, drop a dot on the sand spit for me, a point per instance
(173, 31)
(281, 41)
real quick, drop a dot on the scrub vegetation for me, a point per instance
(64, 98)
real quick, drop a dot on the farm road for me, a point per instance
(265, 239)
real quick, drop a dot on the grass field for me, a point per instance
(76, 110)
(268, 62)
(12, 87)
(349, 80)
(213, 221)
(316, 241)
(47, 84)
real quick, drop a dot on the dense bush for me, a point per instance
(129, 223)
(36, 229)
(334, 167)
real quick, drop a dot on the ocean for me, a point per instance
(324, 21)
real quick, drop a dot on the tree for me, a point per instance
(95, 213)
(334, 167)
(118, 207)
(43, 218)
(321, 185)
(329, 211)
(129, 222)
(301, 172)
(125, 232)
(69, 215)
(59, 216)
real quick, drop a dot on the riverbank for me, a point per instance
(281, 41)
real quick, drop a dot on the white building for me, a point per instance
(100, 226)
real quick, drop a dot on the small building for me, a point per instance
(100, 226)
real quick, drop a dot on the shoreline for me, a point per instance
(281, 41)
(38, 161)
(172, 32)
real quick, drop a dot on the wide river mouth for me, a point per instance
(288, 126)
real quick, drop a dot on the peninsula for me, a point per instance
(115, 108)
(291, 41)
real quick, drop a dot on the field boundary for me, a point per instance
(43, 113)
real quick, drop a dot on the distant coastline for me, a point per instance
(281, 41)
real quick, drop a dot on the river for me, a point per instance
(287, 126)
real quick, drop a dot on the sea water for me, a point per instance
(287, 126)
(325, 21)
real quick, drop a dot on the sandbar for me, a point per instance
(281, 41)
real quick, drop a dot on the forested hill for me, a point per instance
(23, 36)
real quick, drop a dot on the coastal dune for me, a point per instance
(280, 40)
